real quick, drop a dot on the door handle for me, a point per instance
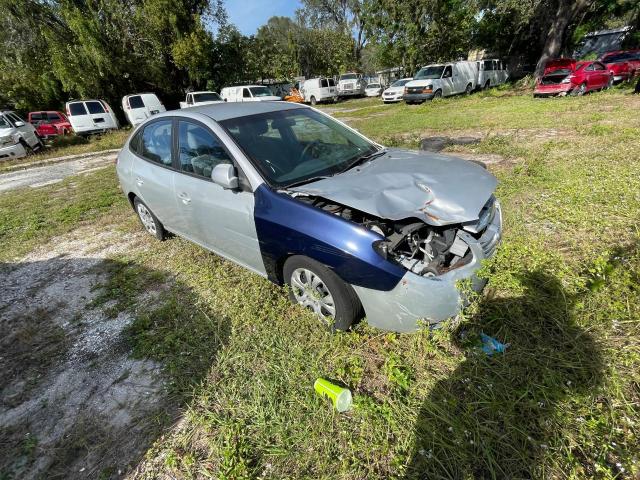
(139, 181)
(185, 198)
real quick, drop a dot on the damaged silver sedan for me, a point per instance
(292, 194)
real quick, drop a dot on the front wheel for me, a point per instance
(581, 90)
(437, 95)
(313, 100)
(317, 288)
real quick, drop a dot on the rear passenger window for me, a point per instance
(199, 149)
(136, 102)
(155, 144)
(95, 107)
(332, 83)
(77, 109)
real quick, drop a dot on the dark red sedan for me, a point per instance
(623, 64)
(49, 124)
(564, 76)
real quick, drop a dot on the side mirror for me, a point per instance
(224, 174)
(19, 124)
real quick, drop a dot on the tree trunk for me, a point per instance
(567, 11)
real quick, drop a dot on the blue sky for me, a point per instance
(248, 15)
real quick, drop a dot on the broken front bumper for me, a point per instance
(12, 151)
(430, 299)
(552, 90)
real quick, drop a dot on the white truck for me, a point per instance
(441, 80)
(351, 85)
(248, 93)
(201, 98)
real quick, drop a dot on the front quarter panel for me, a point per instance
(286, 227)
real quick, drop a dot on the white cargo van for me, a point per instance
(491, 72)
(441, 80)
(140, 106)
(90, 116)
(248, 93)
(317, 90)
(201, 98)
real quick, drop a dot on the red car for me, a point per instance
(50, 124)
(623, 64)
(564, 76)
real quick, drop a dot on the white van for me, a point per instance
(317, 90)
(248, 93)
(441, 80)
(491, 72)
(140, 106)
(90, 116)
(201, 98)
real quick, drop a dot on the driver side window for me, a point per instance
(448, 72)
(199, 150)
(246, 93)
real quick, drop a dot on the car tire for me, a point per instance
(330, 291)
(469, 89)
(27, 148)
(149, 221)
(487, 85)
(313, 100)
(580, 90)
(437, 95)
(609, 84)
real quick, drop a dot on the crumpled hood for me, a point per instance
(5, 132)
(437, 189)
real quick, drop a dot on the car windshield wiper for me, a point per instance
(364, 158)
(303, 182)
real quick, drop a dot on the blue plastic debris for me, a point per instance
(490, 345)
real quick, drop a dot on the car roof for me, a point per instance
(224, 111)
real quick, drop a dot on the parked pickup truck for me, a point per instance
(200, 98)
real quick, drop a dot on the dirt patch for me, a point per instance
(73, 404)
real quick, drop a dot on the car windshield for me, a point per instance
(400, 83)
(297, 145)
(206, 97)
(618, 57)
(427, 73)
(559, 71)
(348, 76)
(4, 123)
(261, 92)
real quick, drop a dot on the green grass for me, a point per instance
(564, 293)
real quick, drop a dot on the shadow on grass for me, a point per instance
(495, 417)
(97, 358)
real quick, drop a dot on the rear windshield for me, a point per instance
(373, 85)
(37, 116)
(260, 92)
(332, 83)
(348, 76)
(206, 97)
(95, 107)
(136, 102)
(77, 109)
(53, 116)
(324, 83)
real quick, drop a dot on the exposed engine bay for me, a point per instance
(423, 249)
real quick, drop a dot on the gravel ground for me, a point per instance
(46, 175)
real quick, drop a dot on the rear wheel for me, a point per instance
(149, 220)
(317, 288)
(609, 83)
(27, 148)
(313, 100)
(467, 91)
(487, 85)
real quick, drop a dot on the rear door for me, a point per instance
(218, 219)
(98, 115)
(137, 110)
(153, 170)
(79, 117)
(601, 74)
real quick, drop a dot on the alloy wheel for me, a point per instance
(311, 292)
(147, 219)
